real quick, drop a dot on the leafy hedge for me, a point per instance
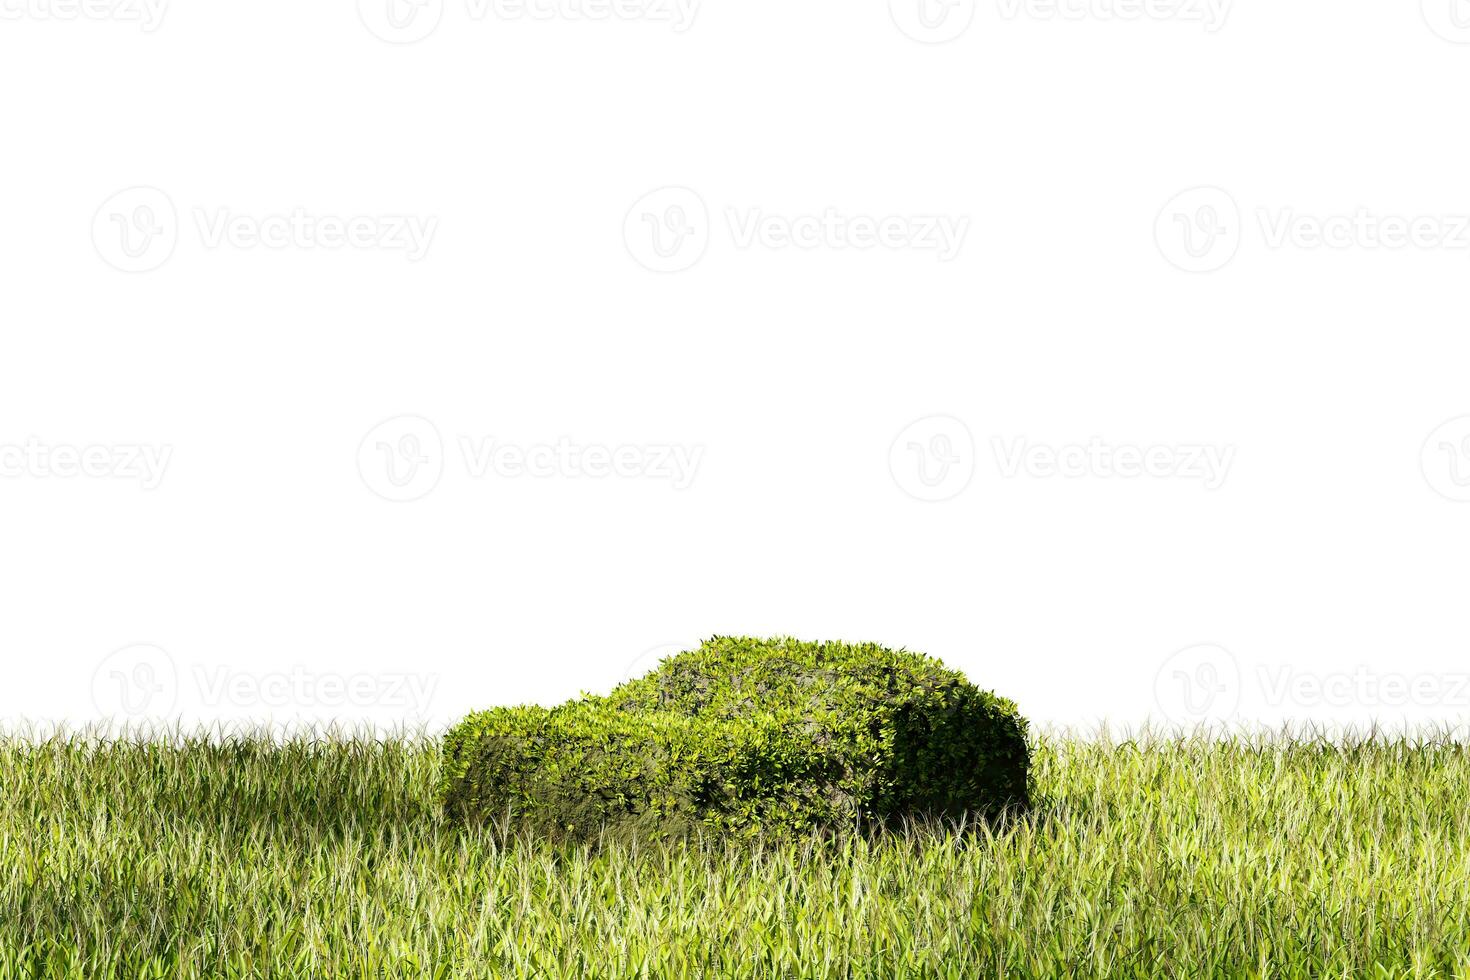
(746, 736)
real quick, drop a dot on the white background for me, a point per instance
(1333, 551)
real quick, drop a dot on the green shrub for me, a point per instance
(746, 736)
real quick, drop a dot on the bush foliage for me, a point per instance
(746, 737)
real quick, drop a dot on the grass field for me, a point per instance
(236, 857)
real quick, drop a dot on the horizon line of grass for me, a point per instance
(180, 732)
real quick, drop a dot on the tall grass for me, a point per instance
(240, 856)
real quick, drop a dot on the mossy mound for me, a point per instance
(746, 737)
